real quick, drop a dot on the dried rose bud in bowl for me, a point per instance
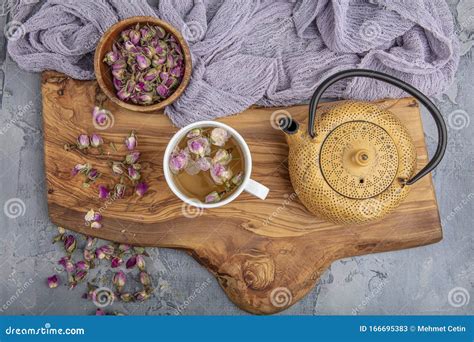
(142, 64)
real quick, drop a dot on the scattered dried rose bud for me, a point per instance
(79, 276)
(99, 253)
(93, 174)
(199, 146)
(88, 255)
(126, 297)
(80, 168)
(108, 249)
(96, 225)
(119, 279)
(70, 244)
(96, 140)
(213, 197)
(140, 262)
(103, 192)
(90, 241)
(83, 141)
(131, 141)
(132, 158)
(99, 312)
(66, 263)
(141, 295)
(119, 190)
(117, 168)
(53, 281)
(145, 279)
(123, 247)
(141, 188)
(116, 262)
(133, 174)
(219, 136)
(131, 262)
(82, 265)
(220, 174)
(222, 157)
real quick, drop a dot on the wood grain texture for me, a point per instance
(265, 254)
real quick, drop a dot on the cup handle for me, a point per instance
(256, 189)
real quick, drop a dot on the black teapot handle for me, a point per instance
(435, 113)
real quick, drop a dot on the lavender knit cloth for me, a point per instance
(270, 53)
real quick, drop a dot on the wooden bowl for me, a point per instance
(103, 71)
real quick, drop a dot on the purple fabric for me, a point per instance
(270, 53)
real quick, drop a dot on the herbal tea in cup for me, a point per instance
(208, 164)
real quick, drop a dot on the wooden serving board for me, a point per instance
(267, 254)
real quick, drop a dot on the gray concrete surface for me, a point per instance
(436, 279)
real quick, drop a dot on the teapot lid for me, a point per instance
(359, 159)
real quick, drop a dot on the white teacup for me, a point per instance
(248, 185)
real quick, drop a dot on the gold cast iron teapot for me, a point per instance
(356, 162)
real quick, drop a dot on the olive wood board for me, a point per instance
(266, 255)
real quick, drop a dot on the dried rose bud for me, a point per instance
(135, 36)
(147, 34)
(133, 174)
(141, 188)
(131, 141)
(91, 216)
(83, 141)
(99, 253)
(162, 90)
(199, 146)
(103, 192)
(108, 249)
(99, 312)
(170, 61)
(219, 136)
(90, 241)
(121, 64)
(178, 161)
(160, 32)
(204, 163)
(142, 295)
(93, 174)
(111, 57)
(123, 94)
(125, 35)
(119, 190)
(132, 158)
(131, 262)
(238, 178)
(79, 276)
(145, 279)
(213, 197)
(126, 297)
(117, 168)
(88, 255)
(70, 244)
(194, 133)
(82, 265)
(80, 168)
(146, 98)
(140, 262)
(53, 281)
(142, 61)
(66, 263)
(96, 225)
(123, 247)
(119, 279)
(157, 60)
(116, 262)
(222, 157)
(220, 174)
(96, 140)
(120, 74)
(129, 46)
(118, 84)
(149, 51)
